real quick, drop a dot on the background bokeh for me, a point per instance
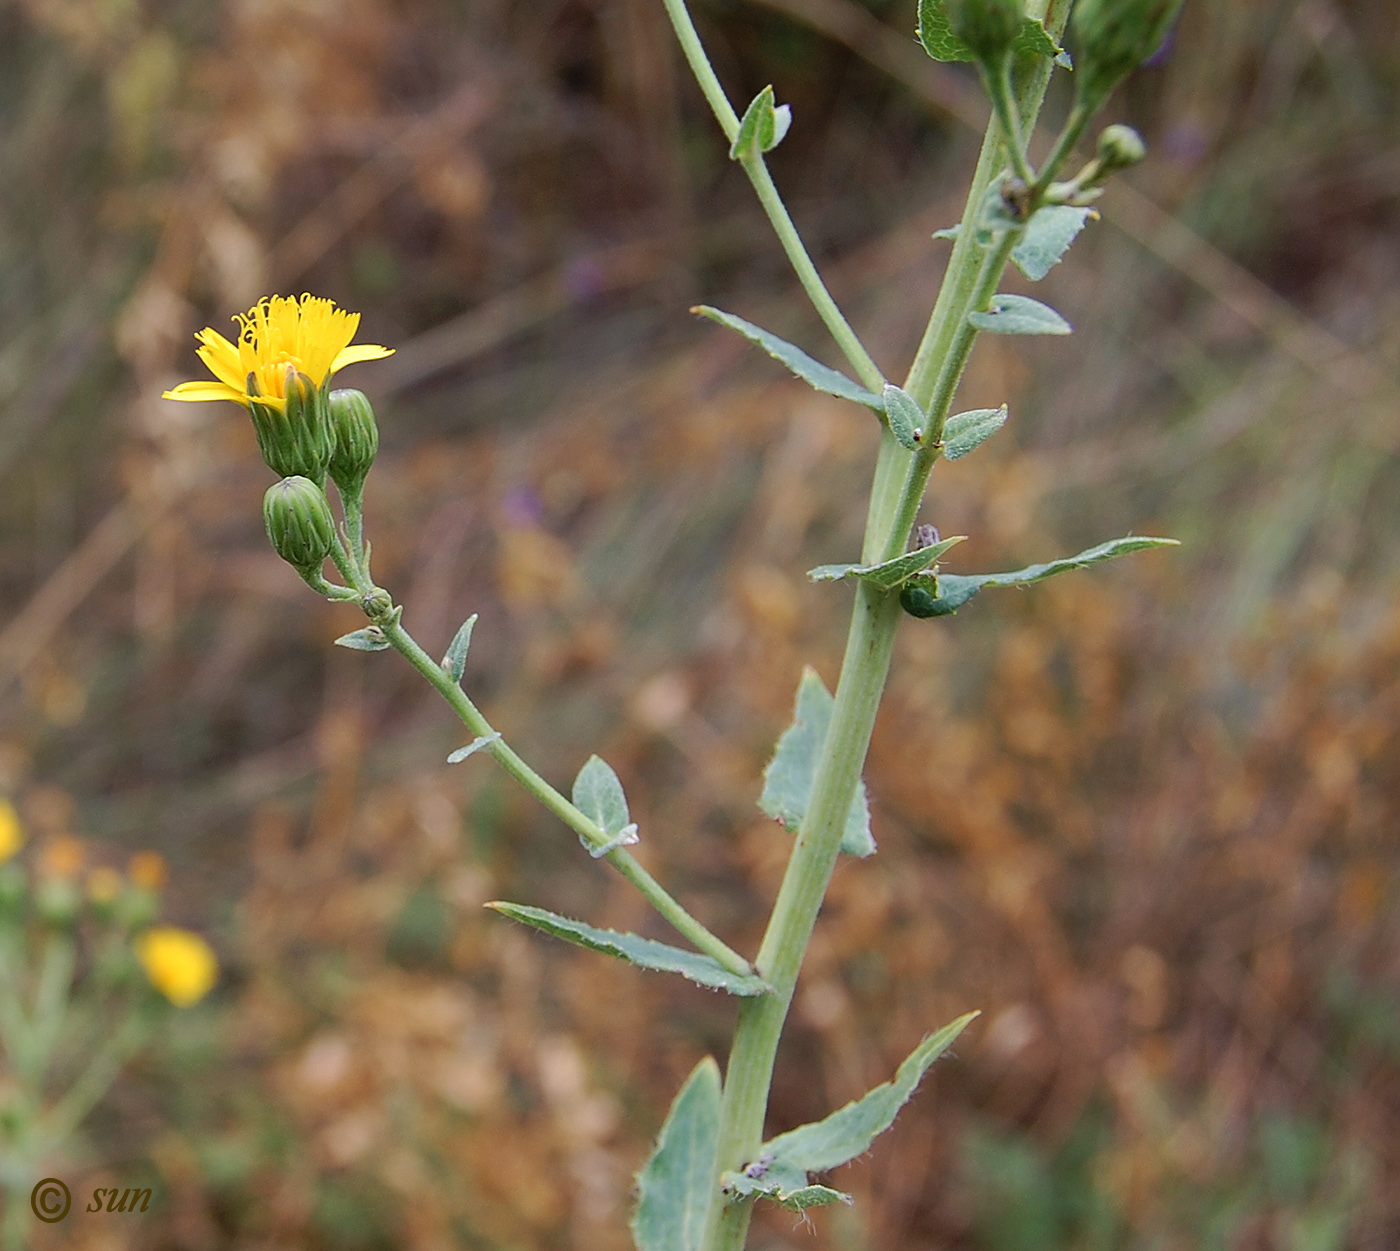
(1144, 818)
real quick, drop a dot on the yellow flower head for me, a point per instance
(180, 965)
(11, 833)
(308, 334)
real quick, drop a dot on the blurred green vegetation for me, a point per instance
(1143, 818)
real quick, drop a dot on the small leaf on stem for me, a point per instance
(906, 418)
(454, 663)
(1048, 236)
(965, 432)
(673, 1190)
(473, 747)
(1019, 314)
(370, 639)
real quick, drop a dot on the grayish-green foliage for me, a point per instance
(454, 663)
(370, 639)
(598, 794)
(787, 781)
(888, 574)
(787, 1187)
(954, 590)
(966, 432)
(905, 416)
(1047, 238)
(816, 375)
(643, 952)
(674, 1187)
(473, 747)
(762, 127)
(1019, 314)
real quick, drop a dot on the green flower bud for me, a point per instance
(299, 522)
(988, 27)
(1114, 38)
(1120, 147)
(296, 440)
(356, 440)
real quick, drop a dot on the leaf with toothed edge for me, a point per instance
(953, 590)
(1047, 238)
(646, 953)
(673, 1190)
(816, 375)
(454, 663)
(370, 639)
(935, 32)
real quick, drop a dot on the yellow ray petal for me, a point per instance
(221, 358)
(359, 352)
(207, 391)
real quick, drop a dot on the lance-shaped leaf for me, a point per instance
(454, 662)
(762, 127)
(954, 590)
(936, 34)
(370, 639)
(787, 781)
(673, 1190)
(816, 375)
(476, 745)
(1019, 314)
(905, 416)
(1048, 236)
(888, 574)
(643, 952)
(849, 1131)
(966, 432)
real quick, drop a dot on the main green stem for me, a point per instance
(896, 493)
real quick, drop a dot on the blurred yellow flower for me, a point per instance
(11, 832)
(180, 965)
(309, 334)
(146, 869)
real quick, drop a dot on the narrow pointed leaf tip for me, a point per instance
(476, 745)
(633, 948)
(673, 1190)
(370, 639)
(762, 127)
(788, 779)
(954, 590)
(816, 375)
(1019, 314)
(849, 1131)
(454, 663)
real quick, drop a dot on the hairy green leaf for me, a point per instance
(954, 590)
(966, 432)
(1019, 314)
(454, 663)
(599, 796)
(887, 574)
(787, 781)
(906, 418)
(1048, 236)
(370, 639)
(673, 1190)
(849, 1131)
(762, 127)
(796, 1196)
(816, 375)
(643, 952)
